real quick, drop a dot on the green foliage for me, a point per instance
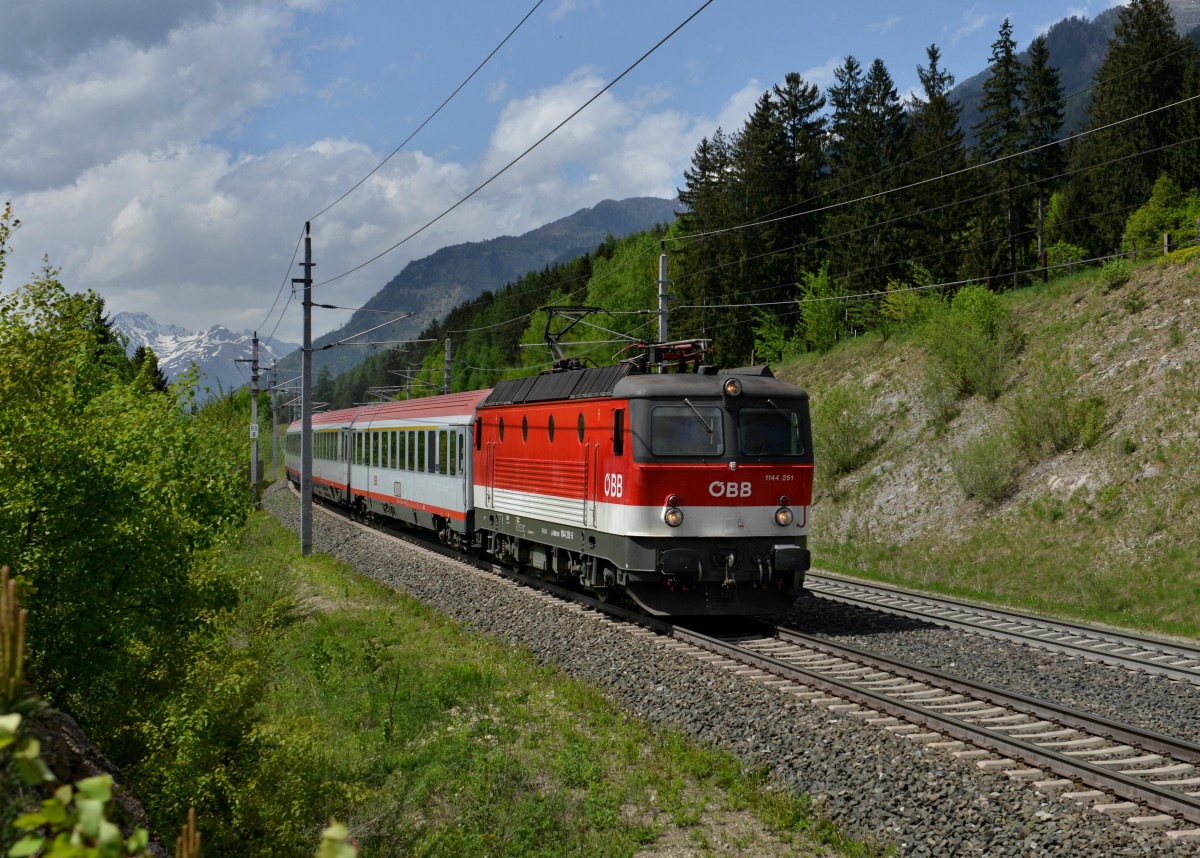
(1113, 275)
(1061, 254)
(820, 310)
(772, 340)
(1049, 413)
(110, 490)
(74, 823)
(971, 341)
(844, 429)
(985, 467)
(1168, 210)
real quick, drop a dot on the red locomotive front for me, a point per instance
(688, 492)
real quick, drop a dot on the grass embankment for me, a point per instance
(1102, 527)
(325, 694)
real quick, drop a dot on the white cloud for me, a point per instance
(110, 99)
(822, 75)
(970, 22)
(887, 25)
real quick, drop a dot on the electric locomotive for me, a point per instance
(687, 492)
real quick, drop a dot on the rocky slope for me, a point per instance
(1090, 530)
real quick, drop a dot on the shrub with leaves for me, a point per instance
(972, 340)
(111, 488)
(1169, 210)
(985, 467)
(820, 311)
(843, 430)
(1113, 275)
(1049, 413)
(1061, 254)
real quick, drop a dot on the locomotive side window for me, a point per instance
(769, 432)
(550, 428)
(501, 428)
(580, 427)
(525, 428)
(686, 430)
(619, 431)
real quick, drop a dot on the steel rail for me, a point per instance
(1120, 784)
(1153, 655)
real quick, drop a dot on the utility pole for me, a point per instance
(662, 292)
(446, 373)
(274, 421)
(306, 403)
(254, 476)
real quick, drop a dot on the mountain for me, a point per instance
(214, 351)
(1077, 47)
(430, 287)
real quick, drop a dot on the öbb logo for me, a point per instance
(720, 489)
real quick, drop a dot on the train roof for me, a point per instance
(627, 381)
(570, 384)
(450, 405)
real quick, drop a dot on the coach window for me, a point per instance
(395, 449)
(580, 427)
(453, 453)
(550, 429)
(443, 441)
(525, 428)
(420, 451)
(432, 450)
(462, 451)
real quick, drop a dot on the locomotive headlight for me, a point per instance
(673, 516)
(733, 387)
(783, 516)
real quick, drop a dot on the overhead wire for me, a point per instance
(429, 118)
(519, 157)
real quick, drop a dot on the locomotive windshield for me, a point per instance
(686, 430)
(769, 432)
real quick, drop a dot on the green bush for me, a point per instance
(843, 430)
(1168, 210)
(1060, 254)
(1049, 414)
(1113, 275)
(986, 467)
(972, 341)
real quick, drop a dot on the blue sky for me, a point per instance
(168, 154)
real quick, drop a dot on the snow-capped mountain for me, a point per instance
(214, 351)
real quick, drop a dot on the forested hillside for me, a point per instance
(808, 223)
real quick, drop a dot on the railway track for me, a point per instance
(1150, 655)
(1151, 780)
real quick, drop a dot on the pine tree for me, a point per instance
(146, 371)
(999, 140)
(1148, 66)
(939, 158)
(871, 145)
(1042, 121)
(702, 264)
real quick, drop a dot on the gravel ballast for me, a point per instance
(875, 785)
